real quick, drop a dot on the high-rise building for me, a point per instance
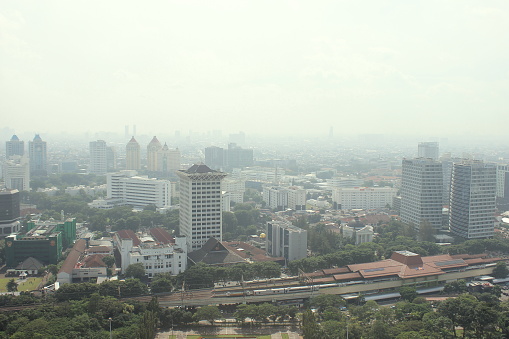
(37, 150)
(239, 157)
(421, 192)
(111, 158)
(428, 150)
(152, 150)
(9, 212)
(472, 204)
(285, 240)
(132, 155)
(200, 205)
(16, 172)
(14, 147)
(503, 181)
(98, 157)
(168, 160)
(215, 157)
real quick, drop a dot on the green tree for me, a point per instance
(500, 270)
(147, 327)
(162, 282)
(136, 271)
(209, 313)
(12, 286)
(310, 328)
(426, 231)
(109, 260)
(408, 293)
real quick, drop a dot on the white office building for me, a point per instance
(362, 197)
(125, 188)
(16, 173)
(280, 198)
(157, 251)
(138, 191)
(502, 181)
(200, 205)
(98, 157)
(422, 192)
(285, 240)
(235, 189)
(472, 204)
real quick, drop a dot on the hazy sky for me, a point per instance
(427, 67)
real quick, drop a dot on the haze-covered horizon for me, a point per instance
(426, 69)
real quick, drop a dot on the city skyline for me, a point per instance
(264, 68)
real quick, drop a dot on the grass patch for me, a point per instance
(285, 336)
(29, 285)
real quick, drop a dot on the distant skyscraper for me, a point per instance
(37, 150)
(472, 206)
(239, 157)
(168, 160)
(126, 131)
(421, 192)
(111, 158)
(14, 147)
(16, 172)
(215, 157)
(428, 150)
(200, 205)
(98, 157)
(132, 155)
(152, 149)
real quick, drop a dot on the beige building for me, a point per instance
(132, 155)
(153, 149)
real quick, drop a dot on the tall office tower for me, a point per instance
(215, 157)
(421, 192)
(200, 205)
(153, 147)
(472, 206)
(37, 151)
(98, 156)
(9, 212)
(168, 160)
(132, 155)
(111, 158)
(428, 150)
(239, 157)
(16, 172)
(14, 147)
(503, 181)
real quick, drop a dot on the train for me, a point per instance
(279, 290)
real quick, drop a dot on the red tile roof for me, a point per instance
(339, 270)
(162, 236)
(347, 276)
(128, 234)
(74, 255)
